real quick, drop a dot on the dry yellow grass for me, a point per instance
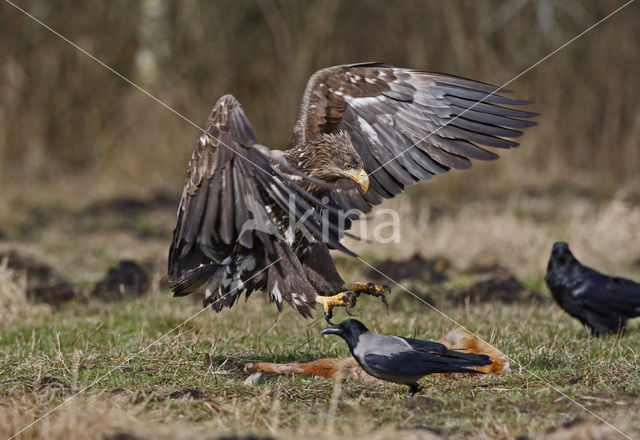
(13, 297)
(516, 234)
(98, 416)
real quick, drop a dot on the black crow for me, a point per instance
(602, 302)
(402, 360)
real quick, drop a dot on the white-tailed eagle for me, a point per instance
(256, 219)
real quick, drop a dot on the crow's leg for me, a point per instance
(414, 388)
(346, 299)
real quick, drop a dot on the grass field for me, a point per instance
(141, 371)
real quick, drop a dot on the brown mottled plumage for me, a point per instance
(358, 125)
(330, 155)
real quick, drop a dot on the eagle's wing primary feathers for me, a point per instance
(386, 110)
(212, 209)
(230, 194)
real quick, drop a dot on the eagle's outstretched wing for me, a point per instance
(387, 110)
(228, 204)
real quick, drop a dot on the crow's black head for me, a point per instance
(349, 330)
(561, 257)
(562, 266)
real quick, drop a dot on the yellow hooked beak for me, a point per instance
(360, 177)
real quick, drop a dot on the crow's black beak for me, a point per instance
(332, 330)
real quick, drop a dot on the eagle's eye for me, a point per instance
(347, 166)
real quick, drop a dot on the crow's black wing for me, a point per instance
(599, 293)
(427, 346)
(437, 348)
(414, 362)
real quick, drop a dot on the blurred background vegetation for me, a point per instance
(69, 124)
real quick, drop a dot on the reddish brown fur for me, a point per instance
(460, 339)
(330, 368)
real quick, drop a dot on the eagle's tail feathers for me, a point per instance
(192, 280)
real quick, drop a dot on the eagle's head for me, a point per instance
(331, 157)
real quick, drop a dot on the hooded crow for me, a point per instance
(402, 360)
(602, 302)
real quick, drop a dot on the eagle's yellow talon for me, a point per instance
(345, 299)
(368, 288)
